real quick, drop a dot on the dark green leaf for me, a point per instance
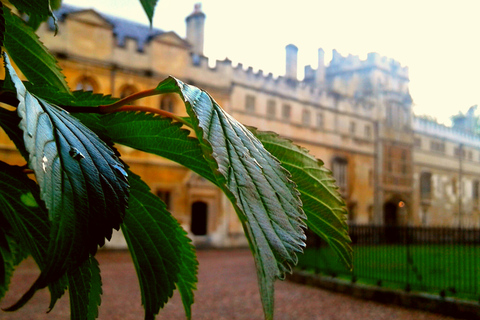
(30, 55)
(160, 252)
(323, 204)
(25, 213)
(151, 133)
(82, 182)
(261, 191)
(85, 289)
(187, 278)
(2, 25)
(9, 121)
(38, 10)
(11, 255)
(149, 7)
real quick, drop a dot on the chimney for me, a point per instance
(320, 76)
(291, 67)
(195, 29)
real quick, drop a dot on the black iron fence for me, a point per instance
(443, 261)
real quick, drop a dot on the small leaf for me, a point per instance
(83, 183)
(85, 289)
(149, 7)
(261, 191)
(30, 55)
(323, 204)
(160, 251)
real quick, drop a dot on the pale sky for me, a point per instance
(438, 40)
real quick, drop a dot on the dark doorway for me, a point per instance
(199, 218)
(390, 222)
(390, 214)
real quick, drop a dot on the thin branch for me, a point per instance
(127, 100)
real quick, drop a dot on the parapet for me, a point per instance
(433, 128)
(350, 63)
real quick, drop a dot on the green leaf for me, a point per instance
(71, 99)
(161, 254)
(153, 134)
(38, 10)
(261, 191)
(30, 55)
(149, 7)
(187, 278)
(23, 210)
(85, 289)
(323, 204)
(83, 183)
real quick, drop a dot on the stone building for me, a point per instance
(355, 115)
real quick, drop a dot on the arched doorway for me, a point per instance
(390, 221)
(390, 214)
(199, 218)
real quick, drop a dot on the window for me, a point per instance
(368, 131)
(86, 84)
(167, 103)
(476, 193)
(353, 127)
(457, 151)
(165, 195)
(306, 117)
(425, 185)
(417, 142)
(286, 111)
(271, 109)
(339, 170)
(250, 103)
(437, 146)
(320, 120)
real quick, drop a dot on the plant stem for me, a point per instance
(127, 100)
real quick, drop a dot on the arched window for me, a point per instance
(167, 103)
(127, 90)
(339, 170)
(199, 218)
(425, 185)
(86, 84)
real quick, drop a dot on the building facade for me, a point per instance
(356, 115)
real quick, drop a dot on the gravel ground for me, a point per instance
(227, 289)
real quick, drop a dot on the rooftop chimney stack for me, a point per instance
(196, 29)
(291, 67)
(320, 76)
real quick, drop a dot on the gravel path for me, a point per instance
(227, 289)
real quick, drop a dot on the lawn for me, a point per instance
(450, 270)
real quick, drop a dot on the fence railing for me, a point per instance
(443, 261)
